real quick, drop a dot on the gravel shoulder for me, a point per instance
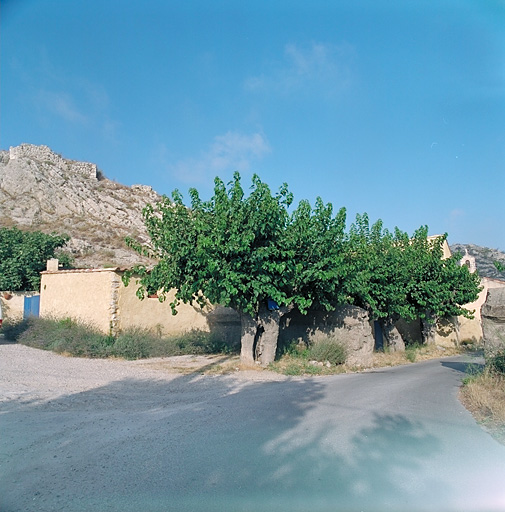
(28, 374)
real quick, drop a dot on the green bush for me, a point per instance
(77, 339)
(497, 363)
(328, 350)
(64, 336)
(132, 344)
(200, 342)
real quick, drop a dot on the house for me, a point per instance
(471, 329)
(456, 330)
(99, 297)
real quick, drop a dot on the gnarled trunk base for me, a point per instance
(429, 328)
(393, 337)
(248, 328)
(259, 336)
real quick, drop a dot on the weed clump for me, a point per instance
(328, 351)
(483, 394)
(68, 336)
(496, 364)
(321, 358)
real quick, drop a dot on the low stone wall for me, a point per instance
(347, 325)
(226, 324)
(493, 322)
(45, 154)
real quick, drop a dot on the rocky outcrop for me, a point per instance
(493, 322)
(41, 190)
(484, 259)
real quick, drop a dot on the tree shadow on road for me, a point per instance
(464, 367)
(211, 444)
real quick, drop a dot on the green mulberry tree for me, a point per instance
(23, 255)
(246, 252)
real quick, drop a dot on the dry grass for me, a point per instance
(293, 364)
(218, 364)
(484, 396)
(413, 354)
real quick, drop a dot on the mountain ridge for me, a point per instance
(485, 258)
(41, 190)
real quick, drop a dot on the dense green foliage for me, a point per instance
(437, 286)
(240, 251)
(376, 276)
(23, 256)
(499, 266)
(400, 276)
(68, 336)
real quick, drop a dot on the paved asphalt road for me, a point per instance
(394, 439)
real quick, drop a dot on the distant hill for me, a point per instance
(41, 190)
(484, 259)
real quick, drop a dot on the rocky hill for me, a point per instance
(484, 259)
(41, 190)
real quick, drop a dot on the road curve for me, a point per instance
(81, 435)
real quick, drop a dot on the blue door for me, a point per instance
(31, 306)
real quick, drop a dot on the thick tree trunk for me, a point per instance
(455, 321)
(394, 339)
(248, 330)
(266, 345)
(429, 328)
(259, 336)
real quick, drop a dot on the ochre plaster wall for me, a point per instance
(157, 316)
(471, 330)
(99, 297)
(13, 306)
(85, 295)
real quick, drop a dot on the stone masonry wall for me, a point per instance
(347, 325)
(44, 154)
(493, 322)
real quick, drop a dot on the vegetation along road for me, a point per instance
(113, 435)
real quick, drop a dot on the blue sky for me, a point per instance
(394, 108)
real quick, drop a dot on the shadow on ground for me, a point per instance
(208, 444)
(464, 367)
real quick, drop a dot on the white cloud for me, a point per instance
(62, 105)
(324, 66)
(71, 98)
(456, 214)
(70, 107)
(229, 152)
